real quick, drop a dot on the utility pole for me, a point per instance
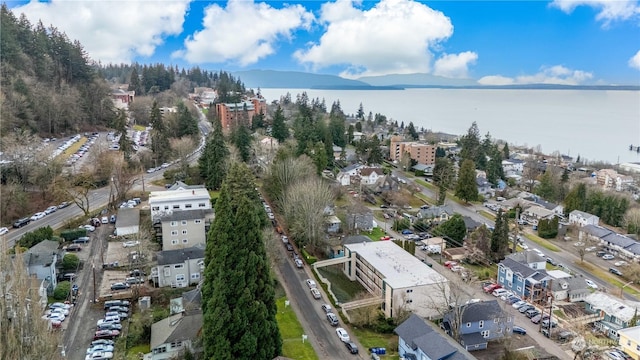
(94, 282)
(516, 231)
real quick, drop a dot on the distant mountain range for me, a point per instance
(302, 80)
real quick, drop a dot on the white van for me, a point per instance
(499, 292)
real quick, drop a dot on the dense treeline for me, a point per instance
(48, 83)
(609, 207)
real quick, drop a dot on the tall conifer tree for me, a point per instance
(213, 162)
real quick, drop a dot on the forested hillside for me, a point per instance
(48, 83)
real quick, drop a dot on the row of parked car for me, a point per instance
(83, 149)
(35, 217)
(107, 329)
(56, 313)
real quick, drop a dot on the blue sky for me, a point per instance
(499, 42)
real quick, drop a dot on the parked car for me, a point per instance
(99, 356)
(352, 347)
(615, 271)
(111, 303)
(518, 304)
(536, 319)
(102, 342)
(342, 334)
(524, 308)
(590, 249)
(64, 204)
(120, 309)
(311, 283)
(546, 323)
(332, 318)
(38, 216)
(121, 315)
(50, 209)
(3, 230)
(137, 272)
(601, 253)
(134, 280)
(90, 228)
(104, 220)
(519, 330)
(621, 263)
(120, 286)
(82, 240)
(127, 244)
(531, 313)
(498, 292)
(100, 348)
(289, 247)
(106, 334)
(59, 305)
(108, 319)
(299, 263)
(491, 287)
(608, 257)
(551, 261)
(591, 284)
(112, 219)
(21, 222)
(327, 308)
(109, 326)
(74, 247)
(316, 293)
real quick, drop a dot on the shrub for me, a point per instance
(70, 262)
(72, 234)
(33, 237)
(62, 290)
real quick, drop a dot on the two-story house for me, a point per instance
(41, 260)
(333, 224)
(618, 244)
(582, 218)
(184, 228)
(344, 176)
(370, 175)
(421, 339)
(523, 273)
(360, 221)
(436, 213)
(615, 313)
(179, 268)
(512, 166)
(474, 325)
(629, 341)
(570, 289)
(592, 233)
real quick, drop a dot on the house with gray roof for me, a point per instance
(615, 313)
(571, 289)
(179, 185)
(436, 213)
(362, 221)
(420, 339)
(183, 228)
(179, 268)
(582, 218)
(618, 244)
(41, 260)
(523, 273)
(173, 336)
(127, 222)
(478, 323)
(592, 233)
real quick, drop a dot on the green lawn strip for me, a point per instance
(483, 272)
(376, 234)
(135, 351)
(425, 198)
(542, 242)
(487, 215)
(139, 128)
(214, 194)
(369, 339)
(344, 289)
(291, 332)
(73, 148)
(611, 279)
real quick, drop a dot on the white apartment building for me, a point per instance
(404, 282)
(166, 202)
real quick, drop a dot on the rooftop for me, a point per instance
(621, 309)
(631, 332)
(178, 256)
(187, 215)
(398, 268)
(172, 195)
(178, 327)
(423, 335)
(128, 217)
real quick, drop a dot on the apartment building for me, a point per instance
(179, 268)
(610, 179)
(168, 201)
(424, 154)
(184, 228)
(404, 282)
(234, 114)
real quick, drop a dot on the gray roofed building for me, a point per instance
(174, 335)
(526, 257)
(634, 249)
(618, 240)
(470, 224)
(439, 213)
(518, 267)
(594, 231)
(572, 289)
(478, 323)
(419, 339)
(179, 185)
(187, 215)
(481, 311)
(360, 221)
(128, 221)
(179, 256)
(40, 261)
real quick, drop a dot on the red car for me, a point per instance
(490, 288)
(450, 264)
(106, 334)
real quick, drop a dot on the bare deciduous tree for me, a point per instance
(632, 220)
(78, 189)
(530, 174)
(284, 172)
(182, 148)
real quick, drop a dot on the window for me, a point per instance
(409, 291)
(188, 206)
(485, 333)
(184, 232)
(468, 325)
(174, 232)
(638, 347)
(198, 221)
(202, 205)
(628, 342)
(195, 276)
(178, 266)
(183, 222)
(176, 344)
(180, 277)
(184, 241)
(409, 301)
(481, 323)
(155, 208)
(167, 270)
(174, 223)
(166, 207)
(519, 288)
(176, 206)
(501, 280)
(174, 242)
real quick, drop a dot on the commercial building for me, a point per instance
(404, 282)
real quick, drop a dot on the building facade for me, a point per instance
(424, 154)
(185, 228)
(234, 114)
(166, 202)
(630, 341)
(179, 268)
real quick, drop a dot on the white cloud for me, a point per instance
(634, 62)
(111, 31)
(557, 75)
(395, 36)
(244, 32)
(609, 10)
(455, 65)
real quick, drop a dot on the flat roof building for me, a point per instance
(166, 202)
(404, 282)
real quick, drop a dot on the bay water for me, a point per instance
(598, 125)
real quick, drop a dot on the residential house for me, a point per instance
(618, 244)
(523, 273)
(41, 260)
(610, 179)
(179, 185)
(571, 289)
(592, 233)
(173, 336)
(470, 224)
(582, 218)
(556, 209)
(484, 187)
(386, 183)
(436, 213)
(179, 268)
(184, 228)
(122, 98)
(478, 323)
(337, 152)
(403, 282)
(357, 136)
(370, 175)
(538, 213)
(629, 341)
(164, 202)
(426, 170)
(615, 313)
(333, 224)
(127, 222)
(361, 221)
(420, 339)
(344, 176)
(512, 167)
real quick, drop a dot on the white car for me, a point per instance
(591, 284)
(99, 356)
(100, 348)
(38, 216)
(54, 317)
(316, 293)
(104, 220)
(578, 244)
(51, 209)
(311, 284)
(4, 230)
(90, 228)
(59, 305)
(127, 244)
(342, 334)
(608, 257)
(591, 248)
(59, 310)
(621, 263)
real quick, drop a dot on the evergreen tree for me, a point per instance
(546, 189)
(187, 124)
(495, 171)
(375, 153)
(213, 162)
(466, 187)
(505, 151)
(412, 131)
(257, 121)
(239, 309)
(134, 82)
(576, 199)
(470, 143)
(453, 230)
(359, 126)
(242, 141)
(500, 237)
(350, 131)
(337, 130)
(159, 136)
(443, 174)
(360, 114)
(279, 130)
(440, 152)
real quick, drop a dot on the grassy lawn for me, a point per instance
(344, 289)
(343, 201)
(376, 234)
(426, 184)
(424, 197)
(73, 148)
(214, 194)
(608, 277)
(483, 272)
(370, 339)
(134, 352)
(291, 332)
(542, 242)
(487, 215)
(139, 128)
